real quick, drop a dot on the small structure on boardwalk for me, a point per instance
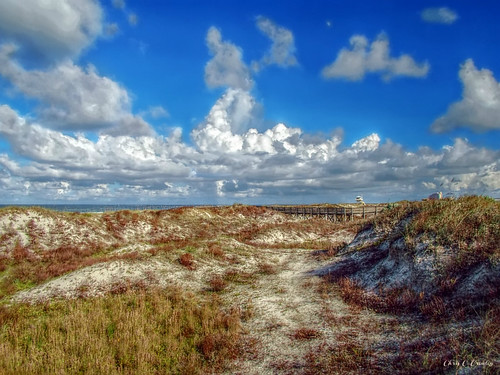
(359, 199)
(435, 196)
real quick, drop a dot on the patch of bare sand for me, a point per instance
(287, 304)
(98, 279)
(281, 304)
(289, 236)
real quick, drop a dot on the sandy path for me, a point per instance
(283, 305)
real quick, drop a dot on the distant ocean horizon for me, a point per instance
(101, 207)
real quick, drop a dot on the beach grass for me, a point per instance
(137, 331)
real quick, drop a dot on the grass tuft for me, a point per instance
(267, 268)
(216, 251)
(187, 260)
(305, 334)
(217, 283)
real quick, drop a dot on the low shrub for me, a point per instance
(217, 283)
(216, 251)
(187, 260)
(3, 263)
(267, 268)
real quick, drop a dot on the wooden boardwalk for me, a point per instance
(332, 213)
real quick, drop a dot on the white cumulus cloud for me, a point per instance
(439, 15)
(158, 112)
(363, 58)
(282, 51)
(369, 143)
(224, 128)
(229, 114)
(479, 108)
(226, 68)
(70, 97)
(50, 29)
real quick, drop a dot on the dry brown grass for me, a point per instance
(217, 283)
(3, 263)
(444, 330)
(132, 332)
(187, 260)
(330, 250)
(468, 228)
(304, 333)
(215, 250)
(319, 227)
(57, 252)
(487, 339)
(400, 301)
(136, 331)
(25, 268)
(409, 345)
(238, 276)
(346, 357)
(267, 268)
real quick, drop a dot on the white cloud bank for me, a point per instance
(115, 158)
(280, 163)
(363, 58)
(479, 108)
(442, 15)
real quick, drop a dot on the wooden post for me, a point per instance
(363, 212)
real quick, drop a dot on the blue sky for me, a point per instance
(255, 102)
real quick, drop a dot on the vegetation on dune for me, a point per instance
(138, 331)
(462, 237)
(469, 225)
(139, 328)
(26, 269)
(184, 234)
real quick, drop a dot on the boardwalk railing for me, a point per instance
(331, 213)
